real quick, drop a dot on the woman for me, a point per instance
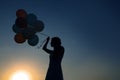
(55, 70)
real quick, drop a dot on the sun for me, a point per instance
(20, 75)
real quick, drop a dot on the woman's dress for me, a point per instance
(55, 70)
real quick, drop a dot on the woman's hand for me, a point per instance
(48, 38)
(46, 42)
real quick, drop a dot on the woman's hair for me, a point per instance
(56, 41)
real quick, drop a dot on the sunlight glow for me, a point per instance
(20, 75)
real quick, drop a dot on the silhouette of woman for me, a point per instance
(54, 70)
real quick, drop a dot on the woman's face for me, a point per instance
(55, 42)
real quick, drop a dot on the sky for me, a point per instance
(89, 31)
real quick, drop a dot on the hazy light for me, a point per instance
(20, 75)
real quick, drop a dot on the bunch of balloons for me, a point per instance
(26, 26)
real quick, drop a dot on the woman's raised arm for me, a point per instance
(45, 47)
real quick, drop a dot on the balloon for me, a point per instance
(19, 38)
(21, 13)
(31, 18)
(26, 26)
(39, 26)
(33, 41)
(30, 26)
(21, 23)
(28, 32)
(16, 29)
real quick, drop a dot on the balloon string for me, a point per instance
(43, 41)
(44, 34)
(41, 44)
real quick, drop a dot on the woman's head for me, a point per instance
(55, 41)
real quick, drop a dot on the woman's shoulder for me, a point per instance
(61, 48)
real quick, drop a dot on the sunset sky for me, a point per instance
(90, 34)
